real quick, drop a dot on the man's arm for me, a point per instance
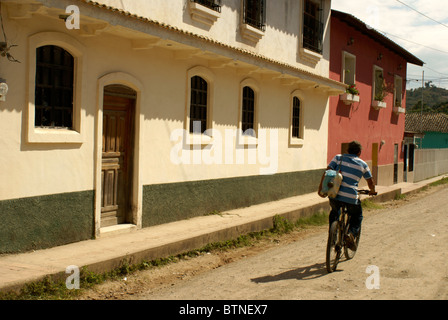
(371, 187)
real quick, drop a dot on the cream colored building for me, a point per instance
(95, 129)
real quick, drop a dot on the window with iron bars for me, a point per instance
(296, 119)
(255, 13)
(212, 4)
(198, 105)
(54, 87)
(248, 111)
(313, 27)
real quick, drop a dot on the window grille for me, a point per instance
(255, 13)
(296, 118)
(54, 87)
(313, 27)
(212, 4)
(198, 104)
(248, 110)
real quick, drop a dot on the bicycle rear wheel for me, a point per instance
(349, 253)
(334, 247)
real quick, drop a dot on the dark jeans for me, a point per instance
(354, 212)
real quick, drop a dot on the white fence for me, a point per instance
(430, 163)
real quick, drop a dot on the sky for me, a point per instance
(423, 33)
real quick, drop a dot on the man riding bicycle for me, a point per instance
(353, 169)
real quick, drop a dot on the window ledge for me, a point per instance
(203, 14)
(50, 135)
(296, 141)
(310, 55)
(198, 139)
(250, 33)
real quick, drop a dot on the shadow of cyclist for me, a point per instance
(303, 273)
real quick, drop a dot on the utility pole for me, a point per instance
(423, 85)
(421, 110)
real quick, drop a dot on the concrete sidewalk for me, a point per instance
(107, 253)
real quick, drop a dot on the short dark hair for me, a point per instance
(354, 147)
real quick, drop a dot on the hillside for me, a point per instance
(435, 99)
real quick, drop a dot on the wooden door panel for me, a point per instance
(116, 160)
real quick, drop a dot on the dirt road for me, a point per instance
(403, 254)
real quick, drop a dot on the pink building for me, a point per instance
(374, 115)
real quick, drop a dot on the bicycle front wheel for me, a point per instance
(334, 247)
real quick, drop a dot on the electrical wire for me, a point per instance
(1, 23)
(419, 44)
(6, 48)
(446, 26)
(436, 71)
(425, 65)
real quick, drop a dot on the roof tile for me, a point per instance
(426, 122)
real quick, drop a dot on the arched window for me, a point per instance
(54, 87)
(198, 105)
(248, 111)
(296, 126)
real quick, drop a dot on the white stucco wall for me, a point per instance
(281, 38)
(30, 169)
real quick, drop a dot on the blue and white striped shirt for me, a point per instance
(353, 169)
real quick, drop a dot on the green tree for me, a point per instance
(435, 99)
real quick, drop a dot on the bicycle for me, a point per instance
(336, 239)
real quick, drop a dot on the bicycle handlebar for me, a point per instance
(364, 191)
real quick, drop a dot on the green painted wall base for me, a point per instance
(46, 221)
(164, 203)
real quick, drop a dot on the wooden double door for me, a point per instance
(117, 155)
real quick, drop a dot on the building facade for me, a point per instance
(426, 145)
(428, 130)
(373, 109)
(128, 114)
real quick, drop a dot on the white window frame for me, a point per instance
(244, 139)
(398, 95)
(376, 104)
(352, 74)
(294, 141)
(76, 49)
(398, 90)
(305, 53)
(206, 137)
(374, 84)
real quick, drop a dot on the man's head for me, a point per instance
(354, 147)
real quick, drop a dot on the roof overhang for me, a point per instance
(146, 34)
(377, 36)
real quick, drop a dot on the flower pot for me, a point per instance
(378, 104)
(397, 110)
(349, 98)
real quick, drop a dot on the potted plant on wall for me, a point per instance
(380, 94)
(378, 101)
(398, 108)
(351, 95)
